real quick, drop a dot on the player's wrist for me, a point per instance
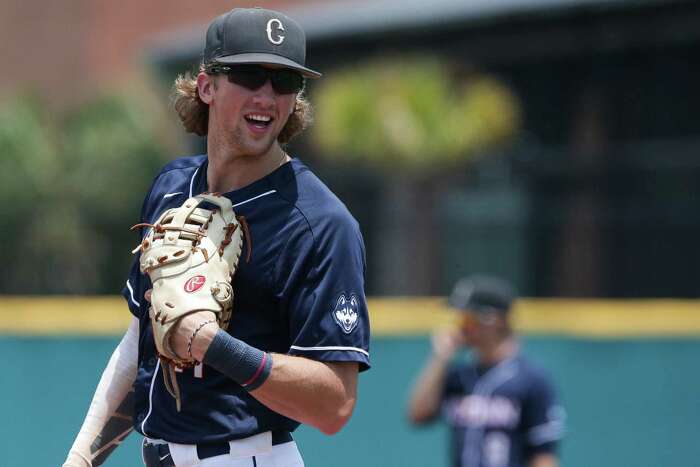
(201, 339)
(248, 366)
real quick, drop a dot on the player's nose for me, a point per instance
(265, 96)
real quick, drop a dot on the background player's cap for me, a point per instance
(482, 293)
(257, 36)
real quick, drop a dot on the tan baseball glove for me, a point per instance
(191, 255)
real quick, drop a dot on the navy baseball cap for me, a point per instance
(482, 293)
(257, 36)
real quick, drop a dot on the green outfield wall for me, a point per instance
(631, 399)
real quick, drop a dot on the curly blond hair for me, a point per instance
(194, 113)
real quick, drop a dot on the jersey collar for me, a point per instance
(271, 181)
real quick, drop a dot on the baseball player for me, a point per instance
(299, 332)
(501, 409)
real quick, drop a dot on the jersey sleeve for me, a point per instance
(134, 289)
(543, 417)
(136, 282)
(321, 273)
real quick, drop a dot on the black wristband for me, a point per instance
(243, 363)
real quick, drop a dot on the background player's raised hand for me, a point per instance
(446, 342)
(425, 399)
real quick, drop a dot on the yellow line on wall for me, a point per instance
(63, 315)
(610, 318)
(581, 318)
(389, 316)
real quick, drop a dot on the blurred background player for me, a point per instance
(502, 410)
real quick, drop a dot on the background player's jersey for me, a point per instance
(302, 293)
(500, 416)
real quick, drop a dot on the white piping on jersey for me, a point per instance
(352, 349)
(485, 386)
(192, 180)
(254, 198)
(170, 195)
(150, 400)
(235, 205)
(547, 432)
(131, 291)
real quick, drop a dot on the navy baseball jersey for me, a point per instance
(301, 293)
(500, 416)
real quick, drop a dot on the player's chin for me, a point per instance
(257, 147)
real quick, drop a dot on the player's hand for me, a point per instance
(446, 342)
(203, 326)
(185, 329)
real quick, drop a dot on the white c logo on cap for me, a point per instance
(278, 23)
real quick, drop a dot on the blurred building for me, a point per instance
(68, 50)
(596, 198)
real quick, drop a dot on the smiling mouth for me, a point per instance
(259, 121)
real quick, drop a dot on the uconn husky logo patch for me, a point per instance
(345, 313)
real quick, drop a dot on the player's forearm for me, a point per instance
(319, 394)
(108, 420)
(93, 445)
(427, 391)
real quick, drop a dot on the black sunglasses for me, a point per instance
(284, 80)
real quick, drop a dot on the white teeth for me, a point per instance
(259, 118)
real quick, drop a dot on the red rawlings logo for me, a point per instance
(195, 283)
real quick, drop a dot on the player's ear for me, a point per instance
(205, 87)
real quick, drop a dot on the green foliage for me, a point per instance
(410, 114)
(111, 143)
(28, 156)
(72, 184)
